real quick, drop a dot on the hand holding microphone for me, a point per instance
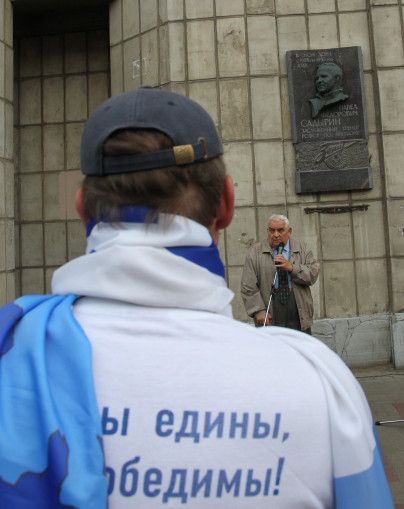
(280, 260)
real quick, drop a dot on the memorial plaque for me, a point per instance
(329, 122)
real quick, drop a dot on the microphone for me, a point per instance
(280, 249)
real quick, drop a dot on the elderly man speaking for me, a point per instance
(296, 270)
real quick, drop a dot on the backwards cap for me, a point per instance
(185, 122)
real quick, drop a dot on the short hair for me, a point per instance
(193, 190)
(335, 69)
(280, 217)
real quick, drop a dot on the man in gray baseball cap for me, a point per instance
(132, 383)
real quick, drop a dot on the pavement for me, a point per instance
(384, 389)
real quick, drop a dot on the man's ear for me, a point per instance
(80, 206)
(225, 209)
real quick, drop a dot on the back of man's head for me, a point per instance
(153, 148)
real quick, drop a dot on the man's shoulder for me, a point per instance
(340, 96)
(267, 336)
(280, 343)
(315, 100)
(297, 245)
(260, 247)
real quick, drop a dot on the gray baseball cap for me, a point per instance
(184, 121)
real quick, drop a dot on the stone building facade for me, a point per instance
(59, 62)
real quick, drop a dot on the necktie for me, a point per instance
(283, 286)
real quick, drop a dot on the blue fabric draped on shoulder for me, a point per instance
(51, 437)
(365, 490)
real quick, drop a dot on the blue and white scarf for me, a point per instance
(50, 430)
(171, 262)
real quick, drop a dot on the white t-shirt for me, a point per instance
(189, 394)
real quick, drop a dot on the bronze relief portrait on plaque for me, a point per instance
(328, 81)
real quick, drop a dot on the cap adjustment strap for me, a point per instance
(178, 155)
(184, 154)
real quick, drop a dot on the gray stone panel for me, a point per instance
(359, 341)
(341, 180)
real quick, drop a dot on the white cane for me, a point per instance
(379, 423)
(270, 298)
(280, 250)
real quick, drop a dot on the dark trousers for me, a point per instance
(286, 315)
